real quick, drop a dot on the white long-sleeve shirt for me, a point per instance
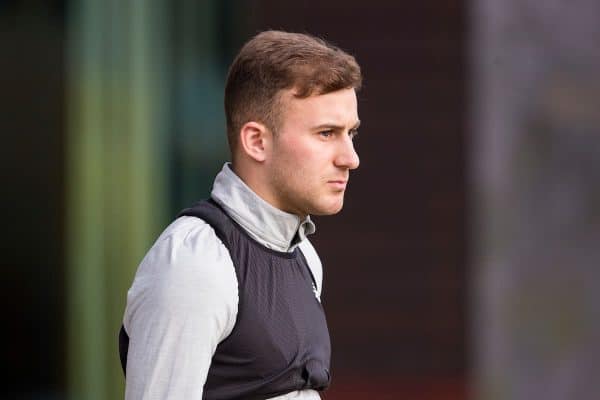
(184, 298)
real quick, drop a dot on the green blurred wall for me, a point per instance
(116, 162)
(145, 137)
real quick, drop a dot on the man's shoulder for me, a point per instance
(188, 246)
(187, 271)
(314, 263)
(188, 231)
(307, 248)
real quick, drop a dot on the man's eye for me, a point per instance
(326, 133)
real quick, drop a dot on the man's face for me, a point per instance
(313, 153)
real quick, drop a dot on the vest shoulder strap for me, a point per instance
(212, 213)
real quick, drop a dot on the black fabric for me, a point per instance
(280, 341)
(123, 348)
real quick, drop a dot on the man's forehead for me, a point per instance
(339, 107)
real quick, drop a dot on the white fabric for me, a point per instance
(184, 297)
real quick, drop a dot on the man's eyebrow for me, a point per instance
(335, 126)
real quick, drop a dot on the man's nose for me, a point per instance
(347, 156)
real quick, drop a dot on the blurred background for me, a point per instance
(465, 263)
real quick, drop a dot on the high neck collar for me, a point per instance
(272, 227)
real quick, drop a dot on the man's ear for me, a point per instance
(254, 140)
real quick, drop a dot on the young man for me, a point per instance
(226, 304)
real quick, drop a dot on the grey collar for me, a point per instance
(272, 227)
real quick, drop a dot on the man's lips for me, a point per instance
(338, 183)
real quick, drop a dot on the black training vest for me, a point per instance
(280, 341)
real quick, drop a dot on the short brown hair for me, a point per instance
(273, 61)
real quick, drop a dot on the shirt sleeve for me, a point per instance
(182, 303)
(314, 263)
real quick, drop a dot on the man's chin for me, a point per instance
(330, 209)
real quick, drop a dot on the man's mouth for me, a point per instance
(339, 184)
